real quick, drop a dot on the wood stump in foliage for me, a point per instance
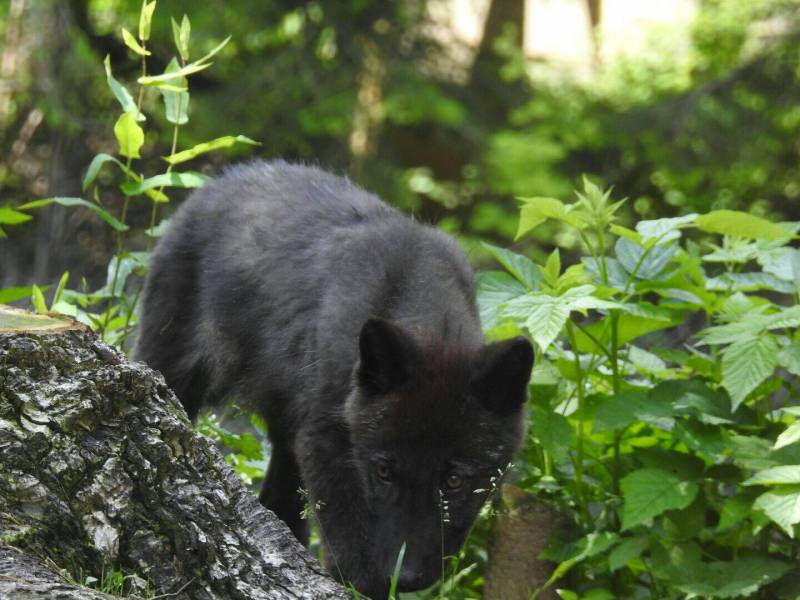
(100, 468)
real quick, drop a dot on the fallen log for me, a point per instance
(100, 467)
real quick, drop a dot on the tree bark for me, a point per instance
(100, 467)
(522, 529)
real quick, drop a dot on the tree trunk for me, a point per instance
(100, 467)
(522, 529)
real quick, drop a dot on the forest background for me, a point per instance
(453, 110)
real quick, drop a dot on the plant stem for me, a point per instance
(121, 234)
(579, 442)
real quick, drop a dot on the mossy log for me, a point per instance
(100, 467)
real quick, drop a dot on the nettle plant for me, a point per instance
(111, 310)
(664, 399)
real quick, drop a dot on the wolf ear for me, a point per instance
(386, 352)
(501, 373)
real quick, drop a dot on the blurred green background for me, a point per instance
(447, 109)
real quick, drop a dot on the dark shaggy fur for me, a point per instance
(354, 331)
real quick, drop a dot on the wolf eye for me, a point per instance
(383, 471)
(453, 481)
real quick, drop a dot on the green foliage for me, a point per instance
(111, 310)
(683, 458)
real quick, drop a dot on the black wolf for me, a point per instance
(354, 331)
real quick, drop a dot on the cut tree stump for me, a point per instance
(100, 468)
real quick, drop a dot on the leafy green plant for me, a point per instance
(111, 310)
(663, 417)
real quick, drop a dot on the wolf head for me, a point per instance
(433, 426)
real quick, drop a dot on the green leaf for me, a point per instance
(553, 431)
(782, 505)
(737, 578)
(748, 282)
(181, 36)
(131, 43)
(536, 211)
(95, 166)
(121, 267)
(222, 142)
(741, 224)
(789, 358)
(187, 179)
(692, 397)
(521, 267)
(618, 411)
(790, 436)
(592, 545)
(129, 135)
(65, 201)
(642, 263)
(552, 268)
(545, 321)
(9, 216)
(781, 475)
(628, 550)
(734, 511)
(120, 93)
(781, 262)
(747, 363)
(176, 103)
(494, 289)
(145, 19)
(12, 294)
(648, 493)
(37, 300)
(166, 78)
(62, 283)
(664, 230)
(214, 51)
(159, 230)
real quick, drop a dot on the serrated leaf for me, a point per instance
(780, 262)
(521, 267)
(642, 263)
(187, 179)
(746, 364)
(145, 19)
(781, 475)
(790, 436)
(176, 103)
(131, 43)
(494, 289)
(122, 95)
(664, 230)
(545, 322)
(741, 224)
(748, 282)
(536, 211)
(78, 202)
(648, 493)
(129, 135)
(217, 144)
(782, 505)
